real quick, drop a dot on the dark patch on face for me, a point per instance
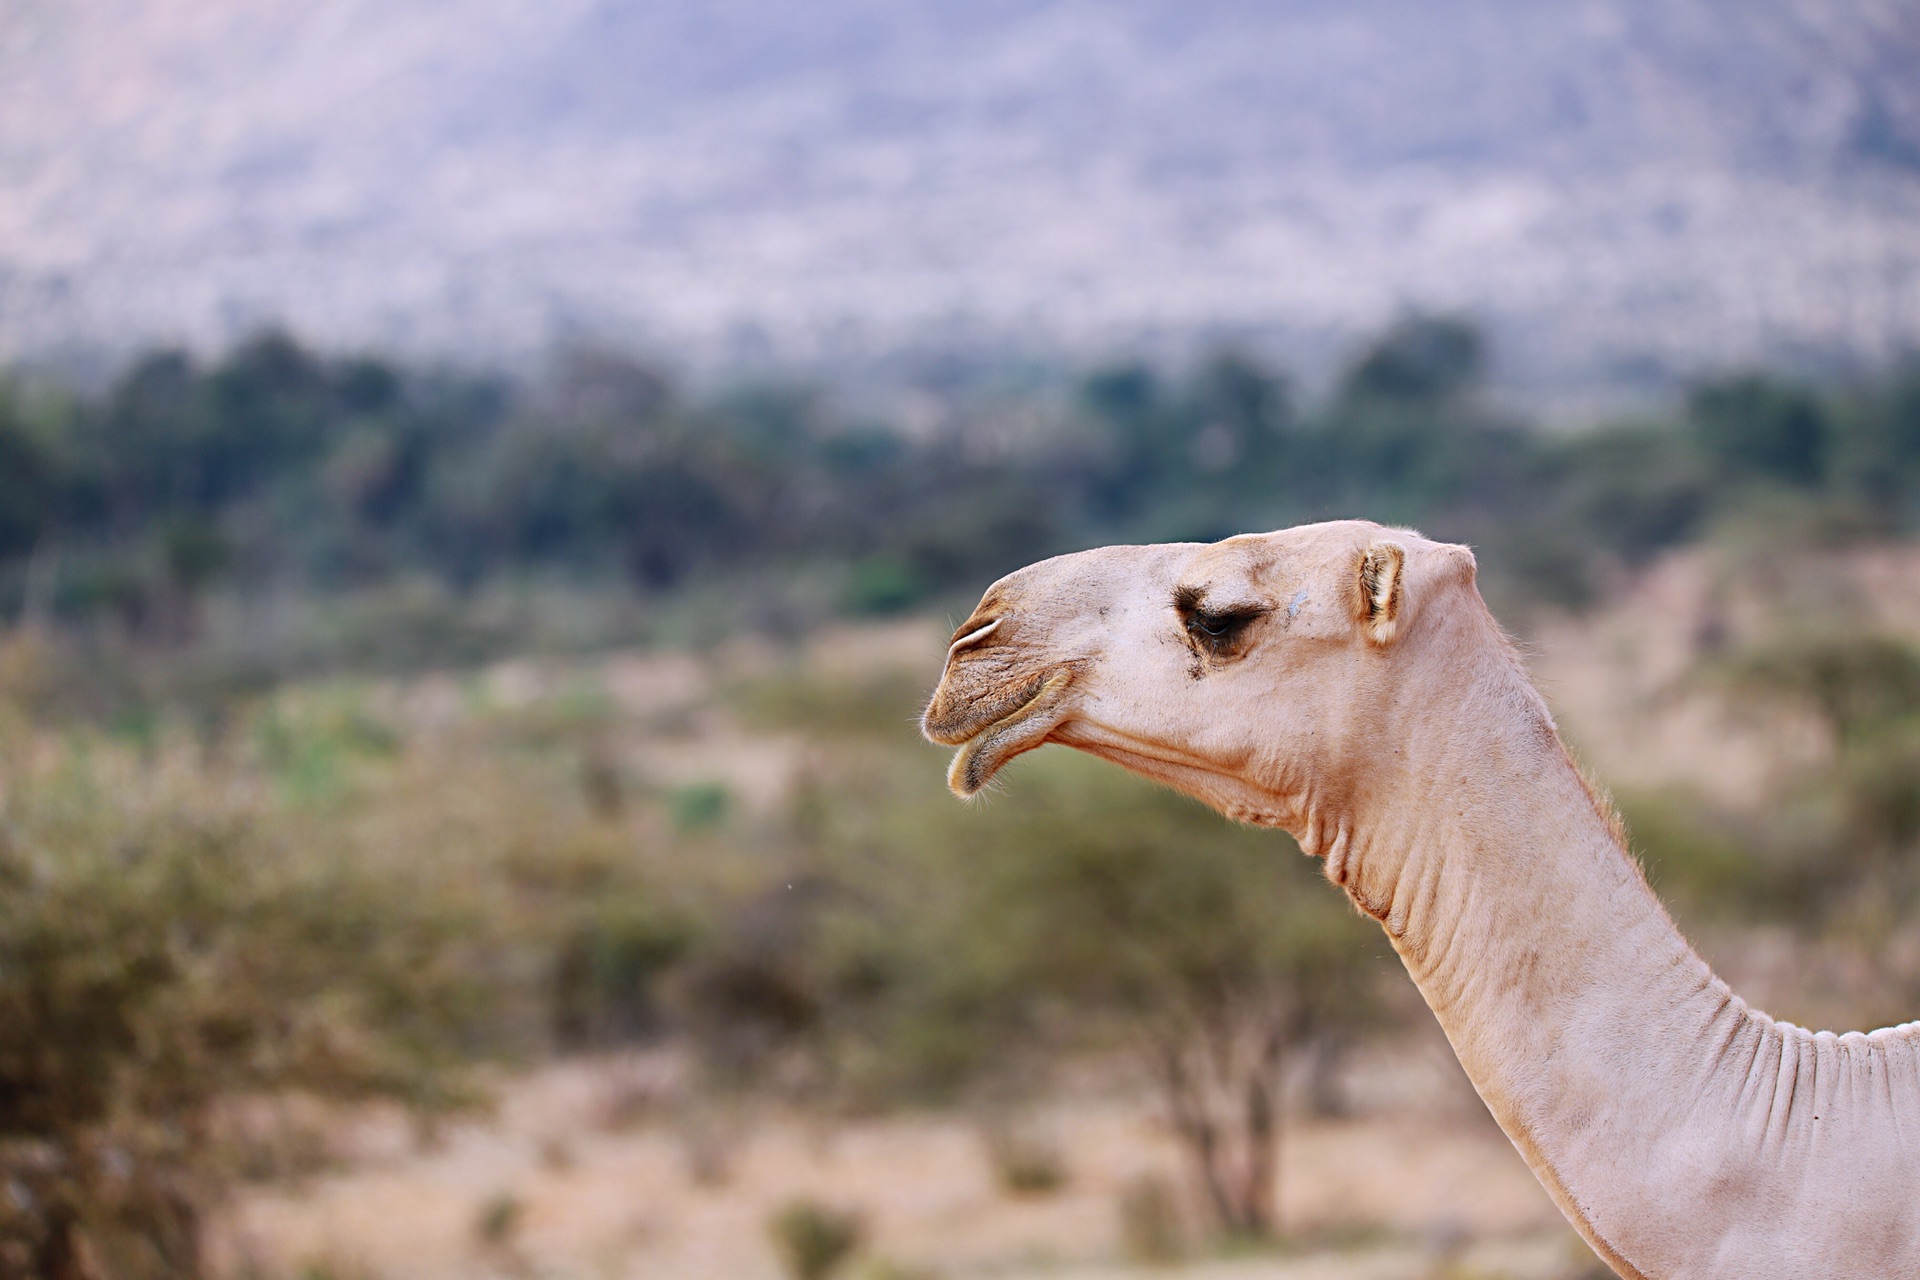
(1260, 564)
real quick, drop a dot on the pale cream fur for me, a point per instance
(1360, 696)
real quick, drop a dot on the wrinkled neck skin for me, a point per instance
(1684, 1134)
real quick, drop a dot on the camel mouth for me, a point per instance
(954, 718)
(1020, 723)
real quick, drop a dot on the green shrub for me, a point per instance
(700, 805)
(606, 973)
(1854, 681)
(497, 1222)
(1705, 861)
(813, 1240)
(334, 1268)
(882, 585)
(168, 945)
(888, 1269)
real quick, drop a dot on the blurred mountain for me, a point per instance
(1622, 187)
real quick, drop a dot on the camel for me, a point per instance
(1346, 683)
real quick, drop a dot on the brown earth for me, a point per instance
(617, 1172)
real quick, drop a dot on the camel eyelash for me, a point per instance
(1214, 628)
(1216, 624)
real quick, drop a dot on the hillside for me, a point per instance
(1622, 189)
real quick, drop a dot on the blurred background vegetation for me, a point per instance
(372, 736)
(190, 503)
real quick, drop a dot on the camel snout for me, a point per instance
(1016, 731)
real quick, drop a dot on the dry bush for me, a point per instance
(707, 1148)
(1024, 1162)
(496, 1223)
(498, 1220)
(281, 1138)
(1153, 1229)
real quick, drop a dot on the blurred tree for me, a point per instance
(1145, 443)
(1244, 414)
(1877, 446)
(753, 998)
(680, 514)
(609, 388)
(1407, 431)
(1865, 689)
(1421, 360)
(277, 466)
(1879, 786)
(1575, 505)
(1633, 489)
(1856, 682)
(367, 385)
(27, 481)
(1755, 425)
(608, 971)
(1091, 906)
(270, 406)
(140, 451)
(1223, 973)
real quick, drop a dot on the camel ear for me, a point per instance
(1378, 592)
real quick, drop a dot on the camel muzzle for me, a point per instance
(992, 731)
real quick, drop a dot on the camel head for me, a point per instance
(1249, 673)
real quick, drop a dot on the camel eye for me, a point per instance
(1216, 630)
(1219, 630)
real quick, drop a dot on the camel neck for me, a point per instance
(1683, 1133)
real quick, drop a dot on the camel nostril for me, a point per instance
(967, 639)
